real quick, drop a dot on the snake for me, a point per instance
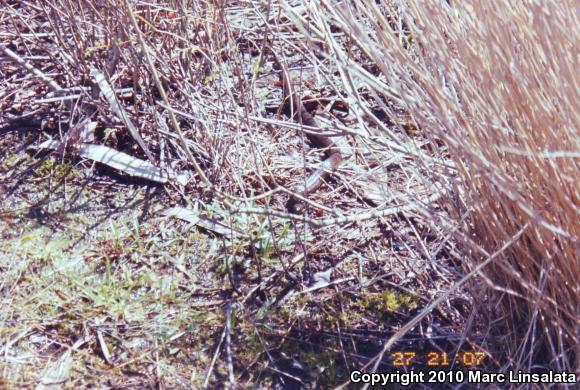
(332, 158)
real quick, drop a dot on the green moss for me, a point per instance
(58, 169)
(388, 302)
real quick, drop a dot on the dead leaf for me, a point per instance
(119, 110)
(130, 165)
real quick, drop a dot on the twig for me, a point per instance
(341, 220)
(231, 377)
(20, 61)
(214, 359)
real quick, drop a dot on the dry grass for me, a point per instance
(460, 147)
(498, 85)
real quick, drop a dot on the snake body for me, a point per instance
(293, 108)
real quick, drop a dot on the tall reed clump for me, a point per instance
(497, 83)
